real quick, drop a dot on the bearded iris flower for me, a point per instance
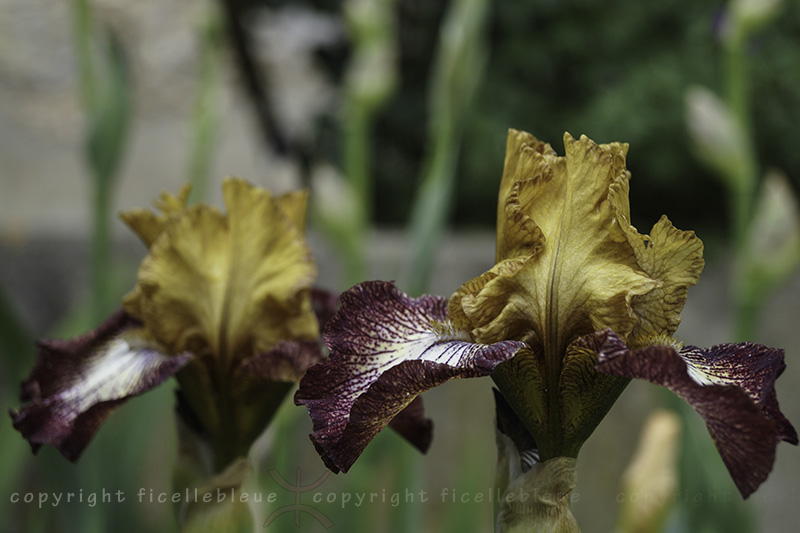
(223, 302)
(577, 304)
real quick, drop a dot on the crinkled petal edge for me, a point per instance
(745, 429)
(76, 384)
(386, 348)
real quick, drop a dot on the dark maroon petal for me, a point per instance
(728, 385)
(751, 367)
(386, 348)
(412, 424)
(772, 410)
(287, 361)
(325, 304)
(76, 384)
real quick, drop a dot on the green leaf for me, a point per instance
(109, 113)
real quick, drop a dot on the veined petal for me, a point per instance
(585, 395)
(524, 389)
(568, 263)
(386, 348)
(731, 386)
(325, 304)
(287, 361)
(754, 368)
(77, 384)
(182, 282)
(413, 426)
(578, 274)
(524, 444)
(493, 305)
(582, 267)
(672, 257)
(526, 157)
(229, 285)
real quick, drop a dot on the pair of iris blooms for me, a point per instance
(577, 304)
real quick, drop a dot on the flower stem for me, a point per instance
(457, 74)
(106, 100)
(357, 163)
(204, 117)
(100, 261)
(742, 195)
(16, 342)
(99, 255)
(369, 81)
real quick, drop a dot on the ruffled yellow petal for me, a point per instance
(570, 263)
(474, 304)
(294, 205)
(672, 257)
(516, 232)
(149, 225)
(579, 274)
(181, 290)
(228, 285)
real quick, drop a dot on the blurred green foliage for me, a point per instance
(614, 70)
